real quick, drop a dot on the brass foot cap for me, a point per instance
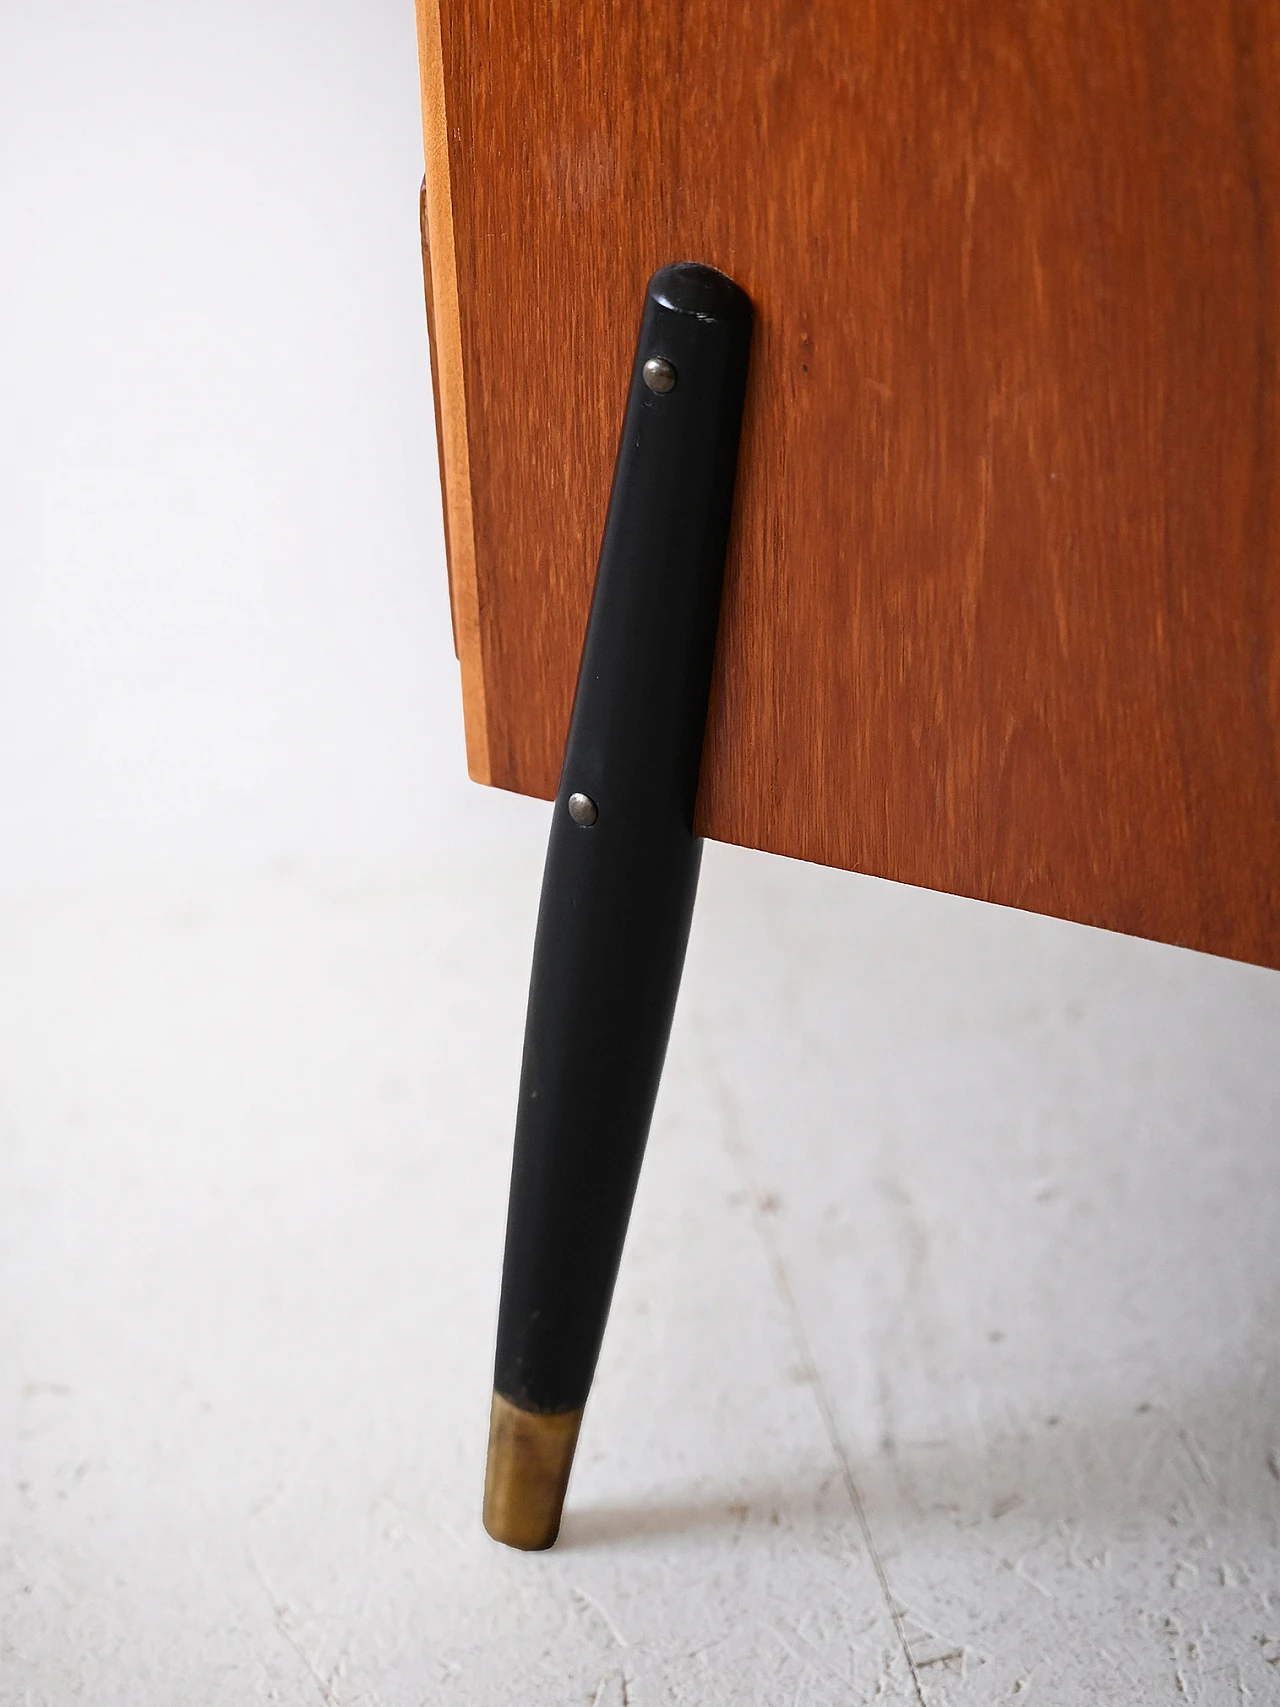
(530, 1457)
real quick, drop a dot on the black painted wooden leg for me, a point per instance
(617, 895)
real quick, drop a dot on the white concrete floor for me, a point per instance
(943, 1364)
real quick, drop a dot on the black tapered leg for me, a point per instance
(618, 892)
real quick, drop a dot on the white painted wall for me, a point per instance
(943, 1368)
(224, 632)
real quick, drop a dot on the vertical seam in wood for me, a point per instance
(451, 391)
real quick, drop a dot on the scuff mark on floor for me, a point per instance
(600, 1612)
(731, 1129)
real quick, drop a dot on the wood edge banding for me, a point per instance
(435, 401)
(450, 390)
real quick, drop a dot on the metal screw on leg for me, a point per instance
(659, 375)
(583, 810)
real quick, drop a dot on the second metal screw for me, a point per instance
(659, 375)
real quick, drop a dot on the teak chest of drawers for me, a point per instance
(1001, 601)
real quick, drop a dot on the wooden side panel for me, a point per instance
(448, 375)
(1003, 609)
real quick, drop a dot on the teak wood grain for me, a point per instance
(1002, 610)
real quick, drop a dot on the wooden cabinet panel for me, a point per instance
(1002, 611)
